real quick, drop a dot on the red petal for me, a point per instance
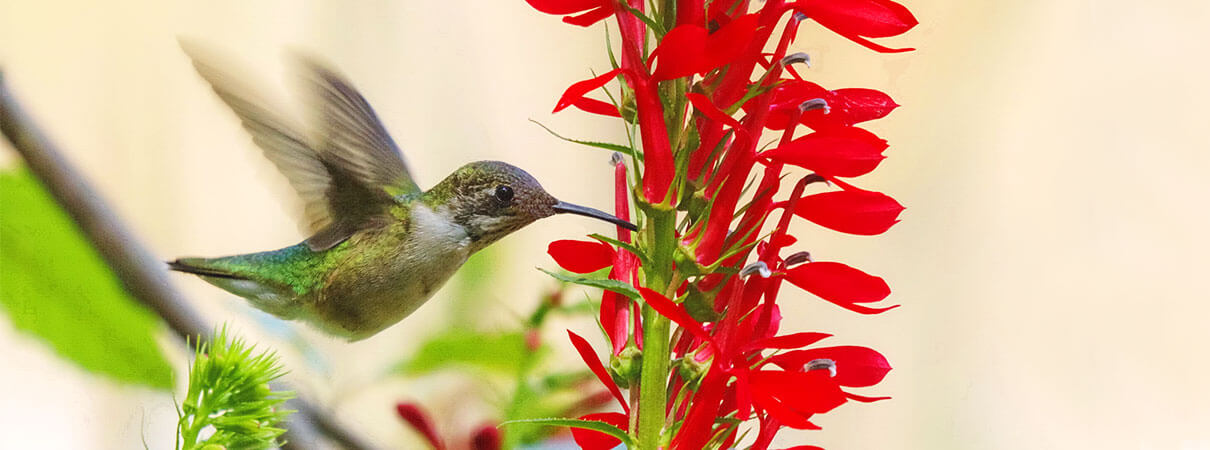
(615, 315)
(576, 91)
(689, 49)
(864, 399)
(851, 211)
(419, 420)
(855, 366)
(873, 46)
(598, 369)
(673, 311)
(581, 256)
(811, 392)
(848, 107)
(838, 283)
(804, 447)
(796, 340)
(861, 105)
(706, 107)
(487, 438)
(730, 41)
(681, 53)
(595, 106)
(703, 409)
(869, 18)
(840, 152)
(784, 414)
(563, 7)
(596, 440)
(591, 17)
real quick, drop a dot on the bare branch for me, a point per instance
(141, 273)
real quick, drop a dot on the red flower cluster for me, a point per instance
(708, 64)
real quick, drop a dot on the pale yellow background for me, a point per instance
(1053, 157)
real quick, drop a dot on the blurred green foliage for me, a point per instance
(53, 285)
(499, 353)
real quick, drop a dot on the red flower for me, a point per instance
(598, 369)
(844, 107)
(837, 152)
(581, 256)
(574, 95)
(855, 366)
(861, 19)
(615, 308)
(591, 11)
(840, 284)
(689, 49)
(851, 211)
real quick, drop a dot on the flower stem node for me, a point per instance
(691, 370)
(797, 58)
(822, 364)
(625, 366)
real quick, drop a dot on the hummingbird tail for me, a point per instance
(193, 266)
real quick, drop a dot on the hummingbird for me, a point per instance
(380, 246)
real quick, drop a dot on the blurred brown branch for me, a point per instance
(140, 272)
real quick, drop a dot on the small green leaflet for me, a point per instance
(577, 423)
(612, 285)
(602, 145)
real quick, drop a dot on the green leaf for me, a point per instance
(229, 403)
(493, 352)
(602, 145)
(578, 423)
(612, 285)
(55, 286)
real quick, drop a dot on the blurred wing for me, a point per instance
(348, 172)
(351, 138)
(281, 142)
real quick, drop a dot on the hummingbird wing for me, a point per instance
(348, 171)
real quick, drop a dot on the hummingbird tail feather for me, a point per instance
(189, 265)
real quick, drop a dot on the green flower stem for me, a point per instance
(653, 395)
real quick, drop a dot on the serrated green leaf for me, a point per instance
(493, 352)
(55, 286)
(578, 423)
(612, 285)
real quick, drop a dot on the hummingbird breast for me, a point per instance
(391, 271)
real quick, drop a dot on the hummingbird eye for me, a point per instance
(504, 194)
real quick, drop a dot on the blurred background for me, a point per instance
(1053, 156)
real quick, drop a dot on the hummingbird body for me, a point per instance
(380, 247)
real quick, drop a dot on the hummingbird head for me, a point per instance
(491, 199)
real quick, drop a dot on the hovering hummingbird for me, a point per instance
(380, 246)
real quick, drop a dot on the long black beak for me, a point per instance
(564, 207)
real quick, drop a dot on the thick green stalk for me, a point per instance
(653, 389)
